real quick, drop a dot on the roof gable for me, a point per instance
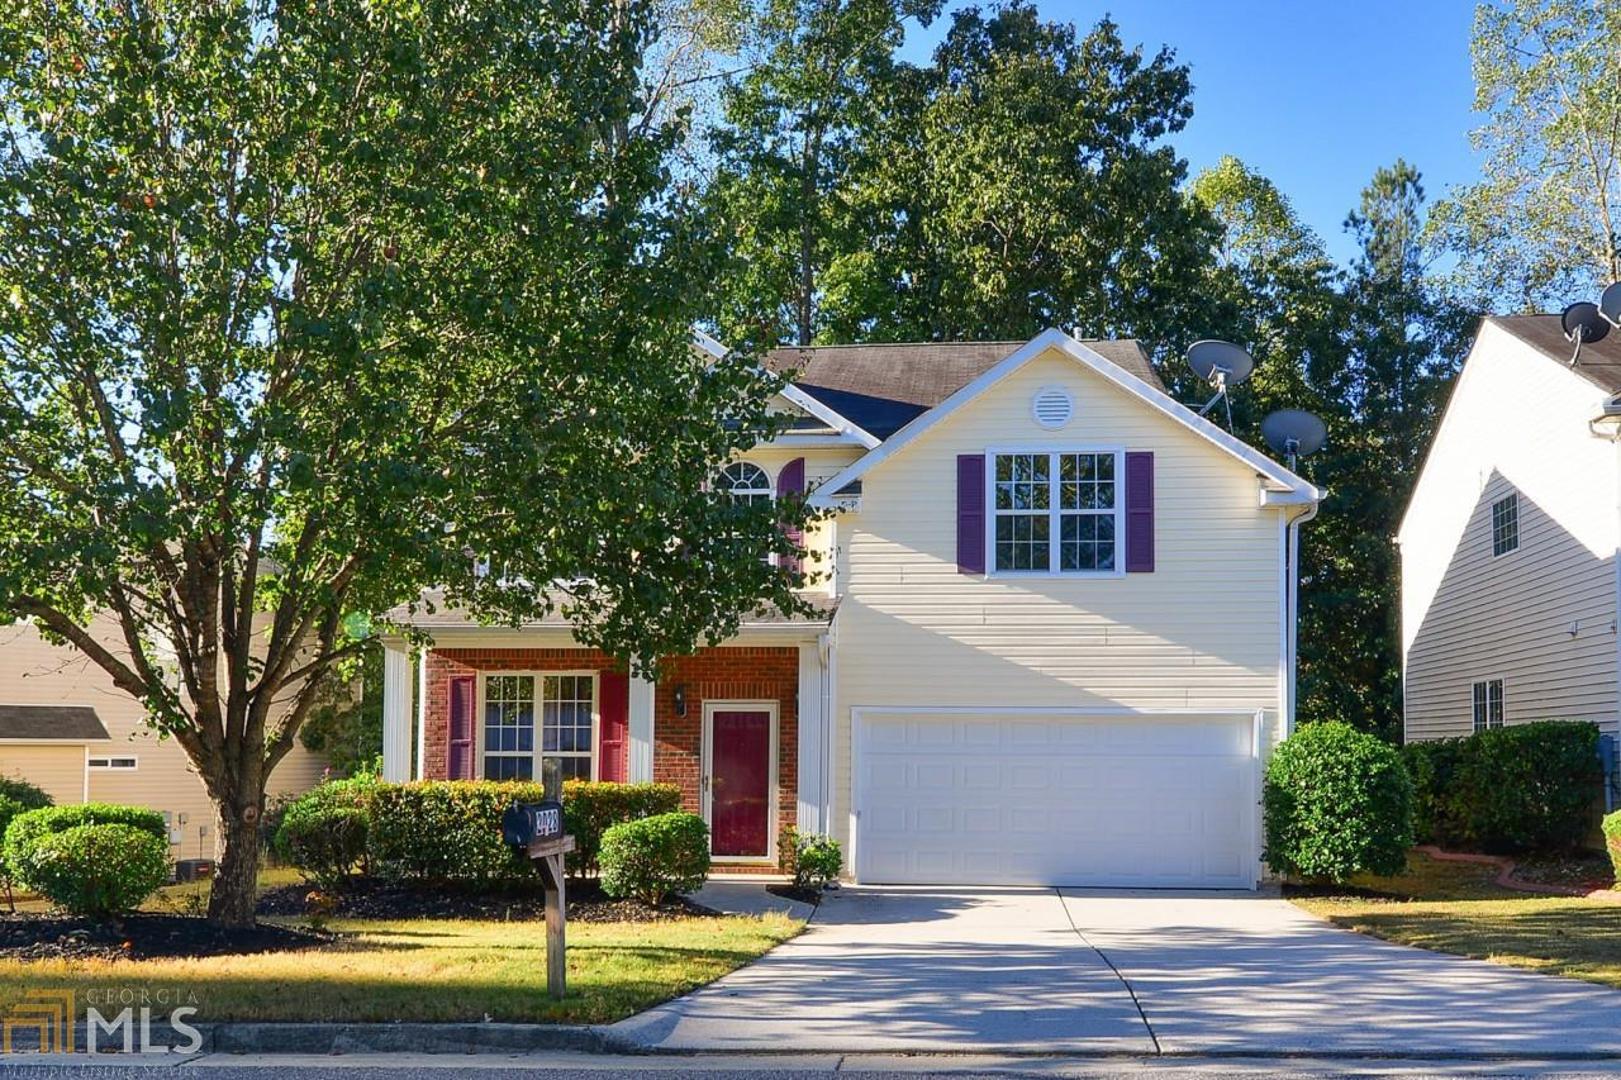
(1600, 362)
(1277, 476)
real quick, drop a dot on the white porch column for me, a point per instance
(396, 714)
(640, 766)
(812, 722)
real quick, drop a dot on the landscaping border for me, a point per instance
(1507, 879)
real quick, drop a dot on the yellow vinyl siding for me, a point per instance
(1201, 632)
(34, 672)
(1517, 424)
(820, 464)
(57, 769)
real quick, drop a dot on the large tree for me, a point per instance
(1027, 180)
(1542, 227)
(307, 305)
(797, 125)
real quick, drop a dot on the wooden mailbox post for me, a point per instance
(538, 829)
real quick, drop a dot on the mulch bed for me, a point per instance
(370, 898)
(140, 937)
(1587, 870)
(1329, 891)
(794, 892)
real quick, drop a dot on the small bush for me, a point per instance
(1612, 841)
(1530, 787)
(97, 870)
(591, 807)
(653, 857)
(29, 796)
(323, 842)
(811, 860)
(446, 831)
(1337, 802)
(28, 827)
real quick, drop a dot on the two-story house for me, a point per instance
(1055, 640)
(1508, 547)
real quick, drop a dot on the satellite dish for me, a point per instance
(1583, 323)
(1294, 433)
(1609, 305)
(1220, 363)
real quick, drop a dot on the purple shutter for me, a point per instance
(1140, 512)
(970, 513)
(791, 481)
(460, 763)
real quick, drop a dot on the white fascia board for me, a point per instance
(796, 396)
(799, 440)
(1273, 475)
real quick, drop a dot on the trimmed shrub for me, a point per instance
(1612, 841)
(1337, 802)
(1530, 787)
(323, 842)
(1433, 767)
(811, 860)
(650, 858)
(591, 807)
(28, 827)
(97, 870)
(446, 831)
(30, 796)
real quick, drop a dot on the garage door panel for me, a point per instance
(1144, 801)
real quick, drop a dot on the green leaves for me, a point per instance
(306, 306)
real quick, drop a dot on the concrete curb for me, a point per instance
(324, 1038)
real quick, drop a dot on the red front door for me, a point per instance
(740, 783)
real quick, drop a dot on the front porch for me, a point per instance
(738, 728)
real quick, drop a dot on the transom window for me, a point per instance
(111, 763)
(567, 710)
(1055, 512)
(745, 482)
(1505, 524)
(1488, 704)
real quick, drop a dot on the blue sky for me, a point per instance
(1313, 94)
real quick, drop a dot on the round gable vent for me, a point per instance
(1052, 406)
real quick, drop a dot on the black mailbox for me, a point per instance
(527, 823)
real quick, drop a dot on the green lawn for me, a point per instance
(425, 969)
(1455, 908)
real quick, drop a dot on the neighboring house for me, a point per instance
(65, 727)
(1054, 643)
(1508, 545)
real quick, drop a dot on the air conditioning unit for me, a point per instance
(193, 869)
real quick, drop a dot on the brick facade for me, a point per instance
(744, 673)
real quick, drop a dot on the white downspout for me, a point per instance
(1292, 618)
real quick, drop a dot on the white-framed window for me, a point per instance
(561, 705)
(1056, 511)
(1506, 524)
(1487, 703)
(746, 482)
(122, 762)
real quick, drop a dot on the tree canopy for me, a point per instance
(306, 306)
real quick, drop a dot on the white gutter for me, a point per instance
(1292, 616)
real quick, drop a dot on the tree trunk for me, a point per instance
(232, 900)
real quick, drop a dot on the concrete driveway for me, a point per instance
(1092, 971)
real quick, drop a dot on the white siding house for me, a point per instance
(1053, 642)
(1508, 547)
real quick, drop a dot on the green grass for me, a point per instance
(423, 969)
(1455, 908)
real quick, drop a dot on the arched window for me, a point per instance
(745, 482)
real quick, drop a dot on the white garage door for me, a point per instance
(1041, 799)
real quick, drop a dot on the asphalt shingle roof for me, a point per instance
(1600, 363)
(70, 723)
(882, 388)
